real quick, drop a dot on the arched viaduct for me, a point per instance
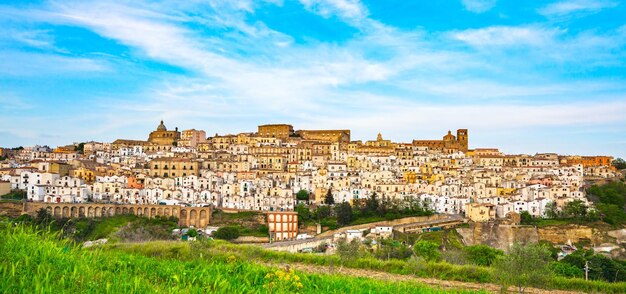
(187, 216)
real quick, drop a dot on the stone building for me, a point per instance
(342, 136)
(164, 137)
(282, 131)
(171, 167)
(449, 143)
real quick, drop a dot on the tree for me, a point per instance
(427, 249)
(192, 233)
(304, 214)
(551, 210)
(619, 163)
(322, 212)
(372, 204)
(343, 211)
(575, 208)
(350, 251)
(523, 266)
(526, 218)
(302, 195)
(43, 217)
(482, 254)
(80, 148)
(226, 233)
(329, 199)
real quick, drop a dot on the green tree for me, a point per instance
(192, 233)
(551, 210)
(350, 251)
(343, 211)
(322, 212)
(526, 218)
(619, 163)
(80, 148)
(611, 213)
(227, 233)
(304, 214)
(575, 208)
(302, 195)
(371, 204)
(329, 199)
(523, 266)
(43, 217)
(427, 249)
(482, 254)
(567, 270)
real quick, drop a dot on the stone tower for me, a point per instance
(461, 136)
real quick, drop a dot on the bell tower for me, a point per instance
(461, 137)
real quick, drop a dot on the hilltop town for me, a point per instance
(264, 170)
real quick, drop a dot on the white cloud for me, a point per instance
(380, 80)
(16, 63)
(567, 7)
(346, 9)
(479, 6)
(506, 36)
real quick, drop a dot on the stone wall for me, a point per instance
(11, 209)
(502, 236)
(575, 233)
(498, 235)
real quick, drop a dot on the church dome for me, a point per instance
(161, 127)
(449, 137)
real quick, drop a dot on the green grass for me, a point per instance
(439, 270)
(14, 195)
(38, 262)
(116, 228)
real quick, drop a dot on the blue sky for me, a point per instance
(524, 76)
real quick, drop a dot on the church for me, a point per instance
(164, 137)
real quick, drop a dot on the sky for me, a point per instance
(524, 76)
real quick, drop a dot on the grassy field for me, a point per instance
(38, 262)
(438, 270)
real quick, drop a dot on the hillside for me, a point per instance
(36, 262)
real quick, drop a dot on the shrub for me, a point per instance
(427, 250)
(226, 233)
(482, 254)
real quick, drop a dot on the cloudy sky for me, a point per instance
(524, 76)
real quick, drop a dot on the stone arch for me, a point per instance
(174, 212)
(203, 218)
(152, 212)
(146, 212)
(112, 211)
(160, 211)
(57, 211)
(90, 212)
(193, 218)
(131, 210)
(125, 210)
(166, 212)
(81, 211)
(66, 211)
(118, 210)
(183, 217)
(139, 211)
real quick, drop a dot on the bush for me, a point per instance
(482, 254)
(567, 270)
(427, 250)
(227, 233)
(302, 195)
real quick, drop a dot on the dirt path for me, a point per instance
(443, 284)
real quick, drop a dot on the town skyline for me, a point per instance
(210, 134)
(546, 76)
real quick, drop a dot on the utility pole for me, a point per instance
(586, 270)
